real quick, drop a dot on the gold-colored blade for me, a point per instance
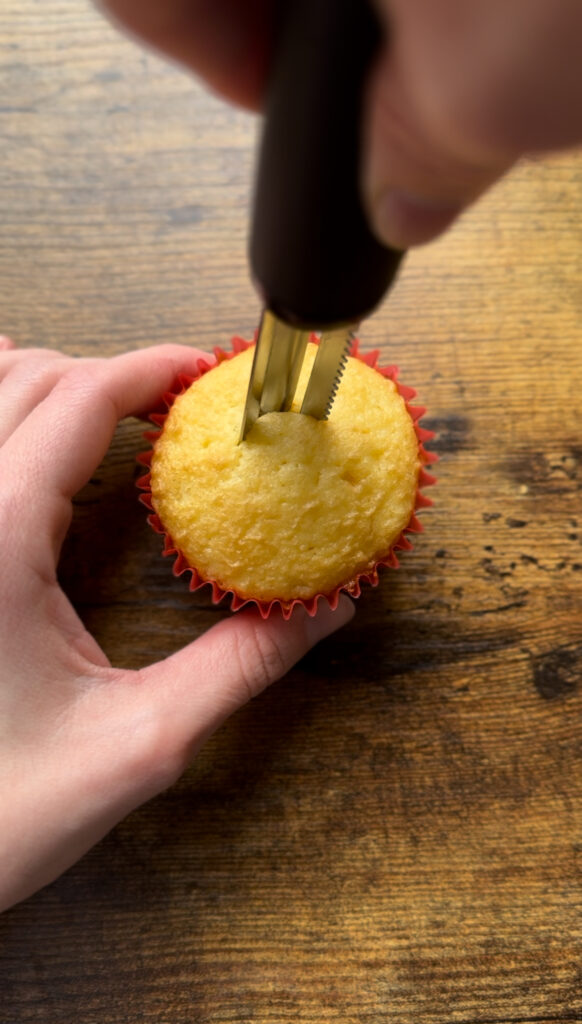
(330, 361)
(276, 367)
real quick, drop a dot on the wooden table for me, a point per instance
(394, 833)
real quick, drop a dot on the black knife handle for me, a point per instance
(313, 256)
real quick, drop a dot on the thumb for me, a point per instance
(192, 692)
(416, 180)
(461, 91)
(126, 740)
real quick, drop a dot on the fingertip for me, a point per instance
(416, 178)
(328, 620)
(6, 343)
(401, 221)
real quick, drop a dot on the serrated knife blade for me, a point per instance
(330, 361)
(276, 368)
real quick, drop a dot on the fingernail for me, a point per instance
(327, 621)
(402, 220)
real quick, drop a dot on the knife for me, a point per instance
(314, 259)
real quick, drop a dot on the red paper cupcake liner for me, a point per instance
(353, 586)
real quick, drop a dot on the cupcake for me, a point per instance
(302, 508)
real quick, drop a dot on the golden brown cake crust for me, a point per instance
(302, 506)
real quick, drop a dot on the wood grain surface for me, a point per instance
(393, 833)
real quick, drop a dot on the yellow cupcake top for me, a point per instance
(302, 505)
